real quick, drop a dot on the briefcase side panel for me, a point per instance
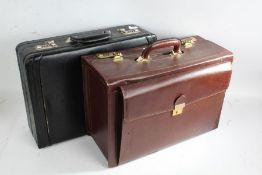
(23, 79)
(36, 95)
(34, 102)
(103, 108)
(96, 108)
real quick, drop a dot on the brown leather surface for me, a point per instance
(150, 134)
(130, 103)
(203, 53)
(154, 96)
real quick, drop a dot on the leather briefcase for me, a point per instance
(146, 98)
(51, 76)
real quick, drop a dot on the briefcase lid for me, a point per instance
(160, 58)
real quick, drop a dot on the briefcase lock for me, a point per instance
(179, 105)
(178, 109)
(116, 56)
(46, 45)
(188, 42)
(130, 30)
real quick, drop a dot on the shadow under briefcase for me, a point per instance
(146, 98)
(51, 77)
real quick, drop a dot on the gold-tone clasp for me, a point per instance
(188, 42)
(130, 30)
(178, 109)
(116, 56)
(47, 45)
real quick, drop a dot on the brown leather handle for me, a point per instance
(161, 44)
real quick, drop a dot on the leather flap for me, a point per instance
(158, 95)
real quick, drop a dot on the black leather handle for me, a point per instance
(89, 38)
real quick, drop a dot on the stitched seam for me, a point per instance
(44, 103)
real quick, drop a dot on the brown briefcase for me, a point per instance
(146, 98)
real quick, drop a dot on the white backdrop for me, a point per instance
(235, 148)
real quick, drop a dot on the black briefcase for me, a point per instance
(51, 77)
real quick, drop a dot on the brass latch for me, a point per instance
(178, 109)
(188, 42)
(116, 56)
(130, 30)
(46, 45)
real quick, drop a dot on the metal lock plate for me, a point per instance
(130, 30)
(68, 40)
(178, 109)
(116, 56)
(188, 42)
(47, 45)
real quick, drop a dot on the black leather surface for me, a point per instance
(52, 85)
